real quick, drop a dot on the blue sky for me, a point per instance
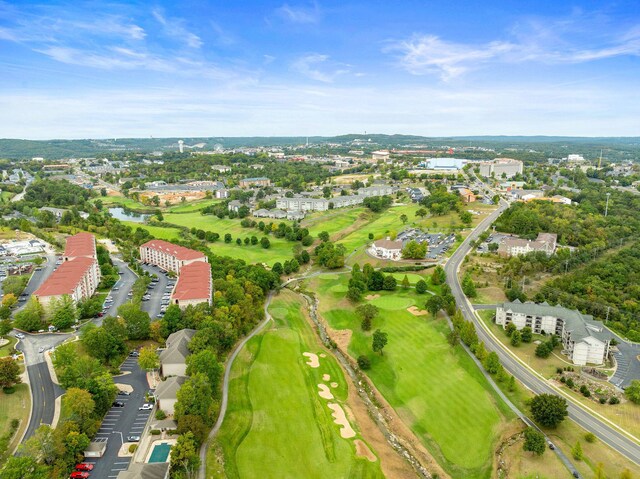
(247, 68)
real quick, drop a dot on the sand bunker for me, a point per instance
(371, 296)
(334, 385)
(313, 361)
(417, 312)
(326, 377)
(322, 355)
(324, 392)
(363, 450)
(340, 418)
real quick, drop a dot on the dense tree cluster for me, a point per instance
(57, 193)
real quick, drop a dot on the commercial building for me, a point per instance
(545, 242)
(387, 249)
(445, 164)
(194, 285)
(500, 168)
(169, 256)
(584, 340)
(380, 155)
(301, 203)
(260, 181)
(78, 275)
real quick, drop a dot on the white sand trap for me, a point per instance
(322, 355)
(334, 385)
(371, 297)
(324, 392)
(340, 418)
(313, 361)
(363, 450)
(417, 312)
(326, 377)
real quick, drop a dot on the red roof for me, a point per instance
(65, 278)
(180, 252)
(194, 282)
(82, 244)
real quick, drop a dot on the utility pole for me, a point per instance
(606, 208)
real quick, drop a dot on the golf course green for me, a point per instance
(277, 424)
(436, 390)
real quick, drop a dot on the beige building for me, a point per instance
(194, 285)
(387, 249)
(169, 256)
(584, 340)
(249, 182)
(500, 168)
(545, 242)
(166, 393)
(173, 359)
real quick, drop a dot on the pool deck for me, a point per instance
(152, 446)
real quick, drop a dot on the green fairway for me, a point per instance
(438, 391)
(123, 201)
(280, 250)
(277, 425)
(192, 206)
(157, 231)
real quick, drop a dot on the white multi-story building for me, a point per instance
(545, 242)
(387, 249)
(584, 340)
(376, 190)
(499, 167)
(301, 203)
(169, 256)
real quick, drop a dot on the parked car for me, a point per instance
(133, 438)
(41, 349)
(79, 475)
(19, 335)
(118, 404)
(146, 407)
(551, 446)
(123, 393)
(84, 466)
(134, 354)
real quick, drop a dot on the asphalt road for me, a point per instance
(607, 434)
(43, 394)
(38, 277)
(120, 422)
(155, 303)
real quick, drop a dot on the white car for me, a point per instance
(19, 335)
(145, 407)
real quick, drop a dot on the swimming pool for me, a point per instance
(160, 452)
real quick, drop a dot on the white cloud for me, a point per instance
(309, 66)
(174, 27)
(533, 42)
(300, 14)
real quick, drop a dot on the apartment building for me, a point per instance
(584, 340)
(194, 285)
(302, 203)
(78, 275)
(260, 181)
(545, 242)
(169, 256)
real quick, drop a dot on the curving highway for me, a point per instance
(604, 431)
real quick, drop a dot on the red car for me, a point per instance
(79, 475)
(84, 466)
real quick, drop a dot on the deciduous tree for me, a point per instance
(548, 409)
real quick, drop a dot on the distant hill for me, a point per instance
(57, 149)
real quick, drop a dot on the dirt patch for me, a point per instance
(371, 297)
(363, 450)
(391, 463)
(334, 385)
(326, 377)
(416, 311)
(340, 418)
(342, 337)
(124, 449)
(324, 392)
(313, 360)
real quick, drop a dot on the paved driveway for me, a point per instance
(124, 285)
(121, 422)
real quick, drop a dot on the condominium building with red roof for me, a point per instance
(169, 256)
(194, 285)
(78, 275)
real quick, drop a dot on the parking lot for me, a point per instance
(164, 286)
(120, 291)
(121, 422)
(438, 243)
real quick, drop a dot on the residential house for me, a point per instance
(173, 359)
(166, 393)
(259, 181)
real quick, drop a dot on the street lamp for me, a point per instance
(606, 208)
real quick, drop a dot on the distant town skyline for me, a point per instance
(272, 68)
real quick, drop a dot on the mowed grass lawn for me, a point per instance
(277, 426)
(437, 391)
(14, 406)
(159, 232)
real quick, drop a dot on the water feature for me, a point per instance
(126, 215)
